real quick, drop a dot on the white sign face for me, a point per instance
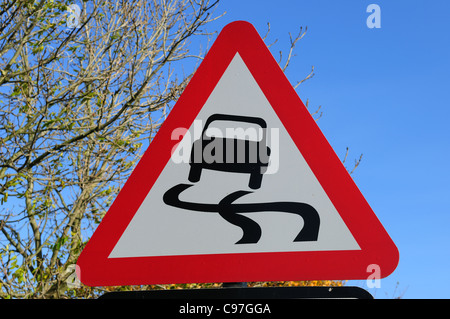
(269, 222)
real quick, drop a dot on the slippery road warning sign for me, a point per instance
(238, 185)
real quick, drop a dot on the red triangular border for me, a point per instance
(94, 267)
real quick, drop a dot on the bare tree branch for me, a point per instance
(77, 106)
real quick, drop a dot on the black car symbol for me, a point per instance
(231, 154)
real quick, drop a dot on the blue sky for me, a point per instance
(384, 94)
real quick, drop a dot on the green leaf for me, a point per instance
(37, 49)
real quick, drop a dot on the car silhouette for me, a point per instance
(231, 154)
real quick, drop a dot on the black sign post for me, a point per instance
(246, 293)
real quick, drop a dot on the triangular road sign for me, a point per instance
(203, 205)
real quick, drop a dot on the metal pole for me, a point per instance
(234, 285)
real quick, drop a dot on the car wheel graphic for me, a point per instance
(194, 174)
(255, 180)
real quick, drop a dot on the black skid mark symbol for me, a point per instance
(231, 213)
(251, 230)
